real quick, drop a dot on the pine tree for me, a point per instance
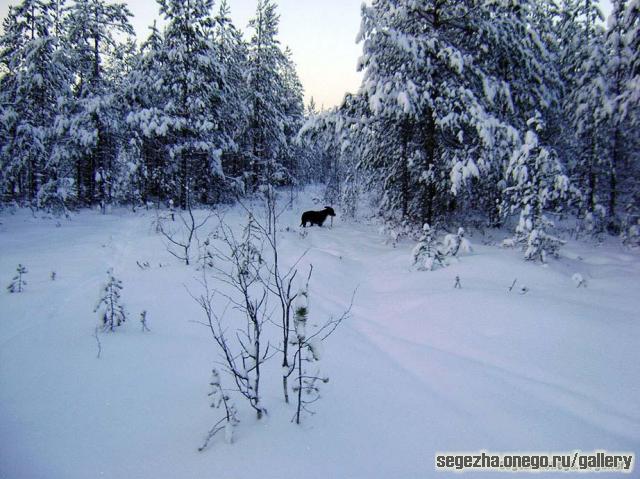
(232, 51)
(632, 42)
(622, 113)
(516, 49)
(429, 116)
(292, 105)
(584, 72)
(90, 120)
(535, 181)
(189, 84)
(146, 148)
(37, 77)
(616, 71)
(265, 92)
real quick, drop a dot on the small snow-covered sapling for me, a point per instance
(579, 280)
(172, 210)
(305, 353)
(112, 313)
(220, 400)
(307, 343)
(206, 259)
(454, 244)
(426, 254)
(143, 321)
(18, 283)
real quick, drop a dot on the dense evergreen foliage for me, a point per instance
(195, 114)
(504, 111)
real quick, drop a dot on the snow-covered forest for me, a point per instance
(472, 285)
(489, 109)
(493, 109)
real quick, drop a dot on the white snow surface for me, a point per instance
(419, 367)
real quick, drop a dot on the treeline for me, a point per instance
(500, 111)
(195, 113)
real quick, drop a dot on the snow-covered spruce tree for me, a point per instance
(112, 313)
(535, 181)
(220, 400)
(35, 78)
(265, 93)
(584, 103)
(293, 114)
(630, 105)
(631, 95)
(90, 120)
(18, 283)
(615, 69)
(429, 115)
(426, 254)
(124, 172)
(622, 117)
(10, 178)
(232, 53)
(517, 53)
(391, 67)
(561, 37)
(183, 108)
(151, 169)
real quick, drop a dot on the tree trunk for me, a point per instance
(183, 180)
(405, 135)
(430, 145)
(613, 180)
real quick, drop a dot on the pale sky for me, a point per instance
(320, 33)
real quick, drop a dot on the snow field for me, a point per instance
(419, 367)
